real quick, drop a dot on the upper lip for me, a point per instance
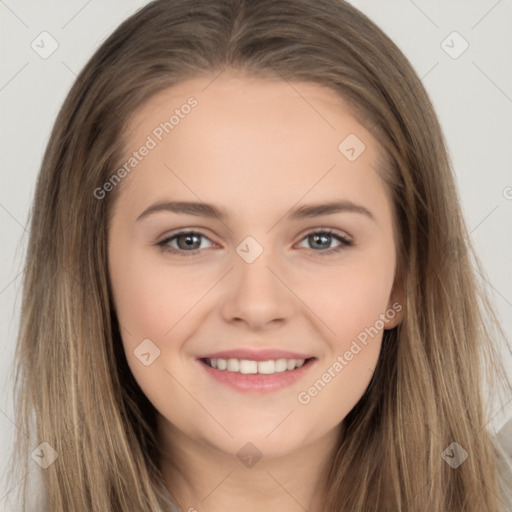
(255, 355)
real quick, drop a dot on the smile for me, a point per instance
(248, 366)
(247, 375)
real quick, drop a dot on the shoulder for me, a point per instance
(504, 438)
(504, 446)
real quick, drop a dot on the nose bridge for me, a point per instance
(253, 264)
(258, 295)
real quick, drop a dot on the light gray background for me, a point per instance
(472, 95)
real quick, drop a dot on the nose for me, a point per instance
(258, 294)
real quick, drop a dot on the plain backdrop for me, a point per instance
(471, 89)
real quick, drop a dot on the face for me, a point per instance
(252, 316)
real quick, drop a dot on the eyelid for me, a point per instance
(306, 232)
(181, 232)
(323, 229)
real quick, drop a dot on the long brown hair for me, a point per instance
(437, 371)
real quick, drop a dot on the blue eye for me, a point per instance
(320, 237)
(186, 240)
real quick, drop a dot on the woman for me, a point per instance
(257, 373)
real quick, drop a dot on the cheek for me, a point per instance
(156, 301)
(349, 298)
(339, 383)
(350, 301)
(151, 297)
(151, 300)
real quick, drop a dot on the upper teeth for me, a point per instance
(248, 366)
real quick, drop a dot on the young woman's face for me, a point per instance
(269, 284)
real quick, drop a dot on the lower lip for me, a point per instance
(255, 382)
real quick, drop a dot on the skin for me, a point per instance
(257, 148)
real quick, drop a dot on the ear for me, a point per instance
(395, 311)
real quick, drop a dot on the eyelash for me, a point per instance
(345, 242)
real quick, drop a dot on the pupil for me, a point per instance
(189, 240)
(317, 237)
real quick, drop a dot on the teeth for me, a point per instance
(266, 367)
(247, 366)
(233, 365)
(281, 365)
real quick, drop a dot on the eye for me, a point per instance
(321, 238)
(189, 242)
(185, 240)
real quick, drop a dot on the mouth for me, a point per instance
(249, 375)
(251, 367)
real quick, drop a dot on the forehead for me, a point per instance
(240, 101)
(260, 139)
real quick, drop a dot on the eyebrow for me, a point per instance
(209, 210)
